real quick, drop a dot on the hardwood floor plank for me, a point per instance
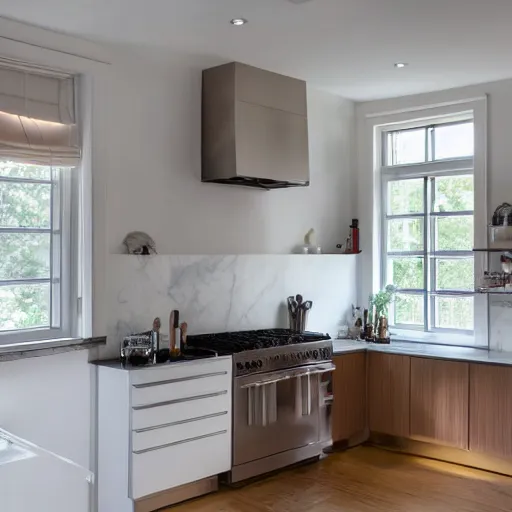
(366, 479)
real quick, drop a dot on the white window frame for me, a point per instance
(376, 124)
(63, 310)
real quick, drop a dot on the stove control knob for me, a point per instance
(308, 354)
(315, 354)
(248, 365)
(259, 363)
(239, 366)
(254, 364)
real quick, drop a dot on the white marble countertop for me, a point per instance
(425, 350)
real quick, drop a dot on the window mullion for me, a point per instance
(433, 142)
(426, 253)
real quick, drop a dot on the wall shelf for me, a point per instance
(493, 250)
(493, 291)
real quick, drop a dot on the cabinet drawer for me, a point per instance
(153, 437)
(178, 389)
(187, 461)
(181, 370)
(206, 404)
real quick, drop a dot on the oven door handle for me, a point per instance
(318, 370)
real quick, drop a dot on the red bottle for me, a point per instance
(355, 235)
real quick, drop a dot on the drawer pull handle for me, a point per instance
(182, 379)
(179, 400)
(181, 422)
(189, 440)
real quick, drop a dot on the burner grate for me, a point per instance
(234, 342)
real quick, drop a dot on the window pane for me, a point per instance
(25, 205)
(454, 140)
(24, 306)
(405, 196)
(454, 312)
(455, 274)
(24, 255)
(405, 235)
(406, 272)
(17, 170)
(454, 194)
(454, 233)
(409, 309)
(406, 147)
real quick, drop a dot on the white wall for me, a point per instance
(499, 175)
(146, 168)
(154, 179)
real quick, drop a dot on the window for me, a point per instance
(39, 205)
(427, 224)
(35, 247)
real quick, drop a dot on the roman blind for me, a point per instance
(37, 115)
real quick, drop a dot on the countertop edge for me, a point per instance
(48, 348)
(114, 364)
(428, 351)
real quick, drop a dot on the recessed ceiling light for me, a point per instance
(401, 64)
(238, 21)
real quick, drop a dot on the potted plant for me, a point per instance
(379, 305)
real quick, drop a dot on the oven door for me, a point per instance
(278, 411)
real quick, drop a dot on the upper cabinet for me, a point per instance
(439, 401)
(490, 417)
(388, 393)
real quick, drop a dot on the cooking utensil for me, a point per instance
(184, 329)
(291, 313)
(304, 309)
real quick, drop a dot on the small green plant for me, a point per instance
(379, 304)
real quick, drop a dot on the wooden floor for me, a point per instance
(366, 479)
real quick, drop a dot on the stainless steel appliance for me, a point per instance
(254, 128)
(282, 396)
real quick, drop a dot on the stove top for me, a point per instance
(233, 342)
(266, 350)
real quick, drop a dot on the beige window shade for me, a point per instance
(34, 92)
(37, 115)
(38, 142)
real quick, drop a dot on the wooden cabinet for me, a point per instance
(349, 389)
(388, 393)
(490, 417)
(439, 401)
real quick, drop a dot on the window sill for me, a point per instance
(435, 338)
(14, 351)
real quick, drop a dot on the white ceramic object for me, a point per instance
(500, 237)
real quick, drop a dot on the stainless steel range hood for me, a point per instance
(254, 128)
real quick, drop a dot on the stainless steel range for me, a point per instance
(282, 396)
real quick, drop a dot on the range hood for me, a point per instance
(254, 128)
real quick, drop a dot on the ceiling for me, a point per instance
(346, 46)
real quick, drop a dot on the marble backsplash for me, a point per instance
(225, 293)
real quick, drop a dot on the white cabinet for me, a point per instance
(160, 428)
